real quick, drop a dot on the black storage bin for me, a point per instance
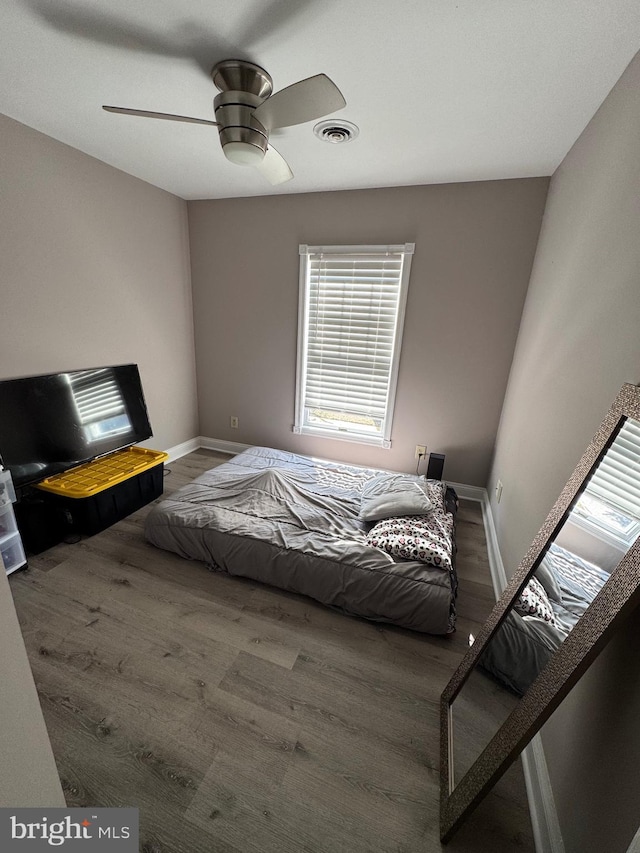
(95, 513)
(90, 497)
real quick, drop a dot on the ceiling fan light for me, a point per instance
(243, 153)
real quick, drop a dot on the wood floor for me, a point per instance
(241, 719)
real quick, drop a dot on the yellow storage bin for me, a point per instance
(94, 477)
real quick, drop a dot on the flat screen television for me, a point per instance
(54, 422)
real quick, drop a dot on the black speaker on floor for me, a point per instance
(435, 466)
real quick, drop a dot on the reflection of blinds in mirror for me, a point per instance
(617, 477)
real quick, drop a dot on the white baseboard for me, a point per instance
(202, 441)
(496, 566)
(222, 446)
(469, 493)
(179, 450)
(542, 808)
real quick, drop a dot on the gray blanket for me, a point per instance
(523, 645)
(292, 522)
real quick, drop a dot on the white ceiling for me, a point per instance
(442, 90)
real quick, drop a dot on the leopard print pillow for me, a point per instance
(427, 539)
(533, 601)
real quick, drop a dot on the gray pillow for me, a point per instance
(521, 647)
(544, 574)
(390, 495)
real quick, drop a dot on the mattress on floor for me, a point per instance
(292, 521)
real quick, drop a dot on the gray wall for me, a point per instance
(579, 342)
(94, 269)
(474, 249)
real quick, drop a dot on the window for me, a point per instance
(610, 504)
(351, 313)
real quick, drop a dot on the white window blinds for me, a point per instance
(352, 309)
(617, 477)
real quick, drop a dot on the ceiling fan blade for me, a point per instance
(271, 17)
(189, 40)
(274, 167)
(148, 114)
(306, 100)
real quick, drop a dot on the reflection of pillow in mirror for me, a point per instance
(391, 495)
(533, 601)
(544, 573)
(520, 649)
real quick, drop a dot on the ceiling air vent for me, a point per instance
(336, 131)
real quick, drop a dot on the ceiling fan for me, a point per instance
(246, 112)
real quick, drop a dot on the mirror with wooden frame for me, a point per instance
(577, 582)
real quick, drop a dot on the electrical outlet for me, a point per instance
(421, 451)
(234, 422)
(498, 491)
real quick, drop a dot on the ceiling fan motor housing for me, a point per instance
(241, 76)
(243, 87)
(236, 122)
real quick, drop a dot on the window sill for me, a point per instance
(601, 532)
(343, 435)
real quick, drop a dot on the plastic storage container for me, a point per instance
(12, 554)
(94, 496)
